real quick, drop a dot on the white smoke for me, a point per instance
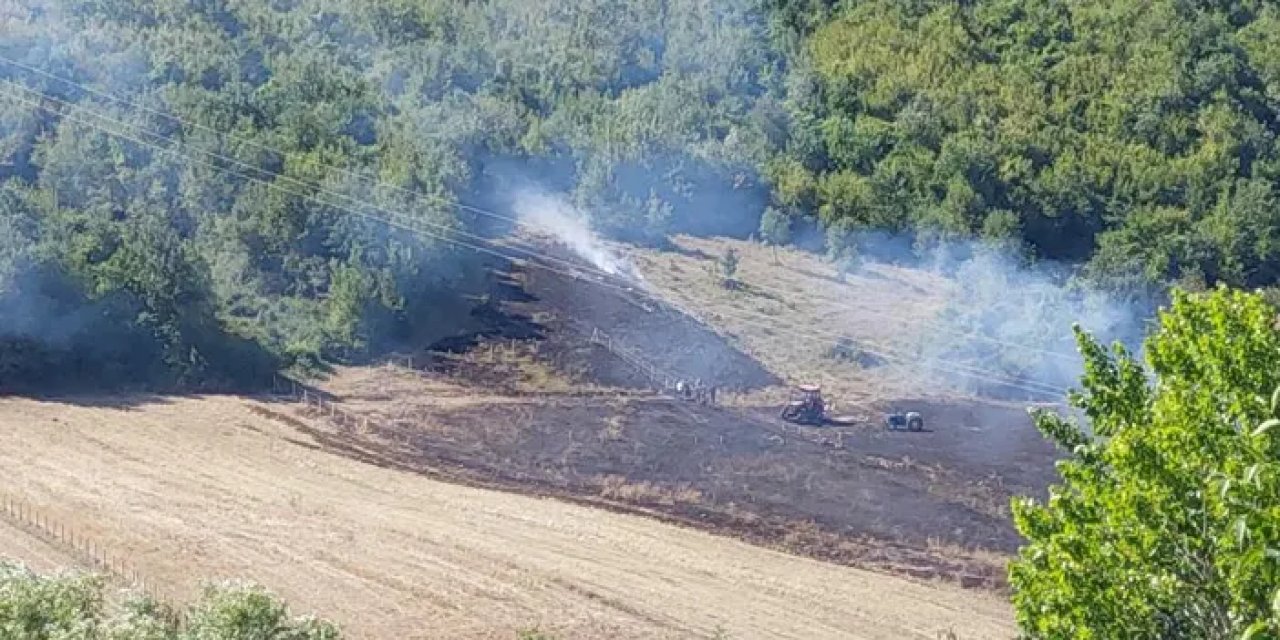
(554, 215)
(1010, 321)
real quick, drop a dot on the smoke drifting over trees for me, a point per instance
(228, 212)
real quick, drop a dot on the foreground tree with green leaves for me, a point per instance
(1167, 523)
(72, 606)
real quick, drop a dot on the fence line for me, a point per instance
(314, 399)
(86, 550)
(310, 398)
(95, 555)
(663, 380)
(319, 402)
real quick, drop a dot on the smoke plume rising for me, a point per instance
(554, 215)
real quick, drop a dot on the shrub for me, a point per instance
(729, 268)
(71, 606)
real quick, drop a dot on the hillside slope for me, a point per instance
(196, 488)
(791, 312)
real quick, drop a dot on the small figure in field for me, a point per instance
(696, 391)
(708, 394)
(682, 389)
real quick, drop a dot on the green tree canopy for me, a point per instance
(231, 216)
(1132, 134)
(1137, 137)
(1167, 522)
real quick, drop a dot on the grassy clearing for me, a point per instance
(789, 314)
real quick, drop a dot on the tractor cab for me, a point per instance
(806, 406)
(808, 394)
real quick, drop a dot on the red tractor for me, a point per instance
(806, 406)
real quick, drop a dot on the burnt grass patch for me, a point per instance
(933, 506)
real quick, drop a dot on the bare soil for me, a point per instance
(194, 489)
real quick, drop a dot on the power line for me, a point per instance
(963, 370)
(267, 183)
(253, 143)
(477, 210)
(301, 183)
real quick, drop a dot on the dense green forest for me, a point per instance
(223, 235)
(1136, 136)
(120, 254)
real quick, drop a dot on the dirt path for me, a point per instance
(198, 489)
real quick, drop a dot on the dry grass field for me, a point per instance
(528, 404)
(193, 489)
(788, 313)
(33, 551)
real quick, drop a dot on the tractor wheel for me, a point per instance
(915, 424)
